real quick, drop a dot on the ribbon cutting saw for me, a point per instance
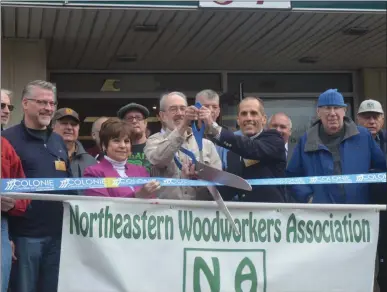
(208, 173)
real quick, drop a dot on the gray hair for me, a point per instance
(27, 90)
(166, 95)
(207, 94)
(7, 92)
(94, 125)
(283, 114)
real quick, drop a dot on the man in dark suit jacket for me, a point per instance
(257, 153)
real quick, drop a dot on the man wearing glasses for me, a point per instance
(135, 115)
(162, 147)
(37, 234)
(334, 145)
(6, 107)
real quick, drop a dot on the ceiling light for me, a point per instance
(308, 60)
(145, 28)
(155, 107)
(357, 31)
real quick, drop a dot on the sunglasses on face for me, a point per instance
(10, 106)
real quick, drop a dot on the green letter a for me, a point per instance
(213, 279)
(251, 276)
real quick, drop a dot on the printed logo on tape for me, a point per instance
(371, 177)
(330, 179)
(81, 183)
(27, 185)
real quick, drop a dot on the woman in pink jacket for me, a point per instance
(115, 143)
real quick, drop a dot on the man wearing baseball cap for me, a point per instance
(136, 116)
(371, 116)
(66, 123)
(334, 145)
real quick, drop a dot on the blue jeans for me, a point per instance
(37, 265)
(6, 255)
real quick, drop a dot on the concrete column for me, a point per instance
(375, 85)
(22, 61)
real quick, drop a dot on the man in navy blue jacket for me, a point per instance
(371, 116)
(37, 234)
(257, 153)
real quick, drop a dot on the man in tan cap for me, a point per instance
(371, 116)
(66, 123)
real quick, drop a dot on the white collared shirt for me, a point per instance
(286, 149)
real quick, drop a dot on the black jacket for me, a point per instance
(42, 218)
(251, 158)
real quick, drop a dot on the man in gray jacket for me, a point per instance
(66, 123)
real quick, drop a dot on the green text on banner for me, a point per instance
(110, 246)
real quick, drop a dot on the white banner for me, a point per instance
(120, 247)
(246, 4)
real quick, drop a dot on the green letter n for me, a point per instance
(251, 276)
(213, 279)
(74, 219)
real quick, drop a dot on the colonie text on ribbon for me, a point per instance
(57, 184)
(192, 228)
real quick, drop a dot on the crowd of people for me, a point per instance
(45, 144)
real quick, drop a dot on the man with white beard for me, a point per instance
(162, 147)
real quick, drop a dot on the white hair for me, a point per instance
(283, 114)
(207, 94)
(7, 92)
(165, 96)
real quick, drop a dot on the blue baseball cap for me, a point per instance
(331, 97)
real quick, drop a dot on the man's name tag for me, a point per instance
(60, 165)
(250, 162)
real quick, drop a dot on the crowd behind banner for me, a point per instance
(45, 145)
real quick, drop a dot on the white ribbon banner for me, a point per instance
(143, 247)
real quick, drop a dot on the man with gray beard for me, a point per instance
(135, 116)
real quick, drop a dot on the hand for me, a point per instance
(188, 171)
(14, 258)
(7, 204)
(148, 190)
(191, 114)
(205, 115)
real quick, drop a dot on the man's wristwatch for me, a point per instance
(215, 130)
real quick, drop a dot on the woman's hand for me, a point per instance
(148, 190)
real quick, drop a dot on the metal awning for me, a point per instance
(95, 39)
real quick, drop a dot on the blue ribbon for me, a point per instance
(63, 184)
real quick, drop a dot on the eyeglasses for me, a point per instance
(137, 118)
(44, 102)
(10, 106)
